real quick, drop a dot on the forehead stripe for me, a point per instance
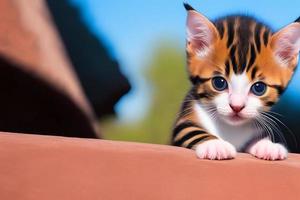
(220, 27)
(227, 68)
(253, 73)
(243, 62)
(230, 32)
(266, 37)
(244, 36)
(232, 57)
(252, 57)
(257, 32)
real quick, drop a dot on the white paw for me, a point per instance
(215, 150)
(267, 150)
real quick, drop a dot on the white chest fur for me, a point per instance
(237, 135)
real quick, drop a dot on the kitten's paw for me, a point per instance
(215, 150)
(267, 150)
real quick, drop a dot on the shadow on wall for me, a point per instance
(99, 74)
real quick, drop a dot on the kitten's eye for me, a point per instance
(258, 88)
(219, 83)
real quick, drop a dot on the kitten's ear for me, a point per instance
(201, 33)
(286, 44)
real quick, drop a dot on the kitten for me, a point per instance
(238, 69)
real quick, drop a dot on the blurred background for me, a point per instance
(129, 58)
(148, 38)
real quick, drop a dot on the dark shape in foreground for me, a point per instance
(99, 74)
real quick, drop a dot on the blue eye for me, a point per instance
(219, 83)
(258, 88)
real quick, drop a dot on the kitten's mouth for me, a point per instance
(236, 117)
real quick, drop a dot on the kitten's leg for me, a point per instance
(267, 150)
(207, 146)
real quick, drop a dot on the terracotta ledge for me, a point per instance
(47, 167)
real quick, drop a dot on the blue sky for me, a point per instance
(131, 28)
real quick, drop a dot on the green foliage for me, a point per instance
(167, 75)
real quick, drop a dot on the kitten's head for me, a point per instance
(238, 65)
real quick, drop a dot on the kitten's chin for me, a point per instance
(235, 119)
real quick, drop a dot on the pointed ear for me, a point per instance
(201, 33)
(286, 44)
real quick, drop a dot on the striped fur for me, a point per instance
(239, 45)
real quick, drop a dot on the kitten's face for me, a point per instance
(238, 66)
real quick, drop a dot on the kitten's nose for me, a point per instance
(236, 108)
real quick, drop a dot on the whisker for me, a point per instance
(275, 113)
(260, 128)
(287, 128)
(268, 130)
(273, 124)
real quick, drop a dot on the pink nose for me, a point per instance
(237, 109)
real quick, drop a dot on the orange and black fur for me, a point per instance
(238, 69)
